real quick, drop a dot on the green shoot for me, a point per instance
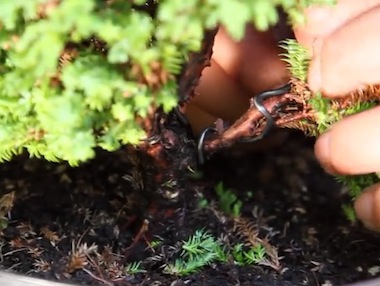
(228, 201)
(202, 248)
(199, 250)
(297, 58)
(349, 212)
(155, 243)
(134, 268)
(254, 255)
(327, 111)
(203, 202)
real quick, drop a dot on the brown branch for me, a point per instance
(247, 126)
(291, 110)
(191, 72)
(169, 153)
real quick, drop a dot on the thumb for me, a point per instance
(348, 58)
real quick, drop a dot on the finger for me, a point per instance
(367, 207)
(261, 67)
(253, 62)
(198, 118)
(219, 95)
(349, 57)
(226, 53)
(351, 146)
(324, 19)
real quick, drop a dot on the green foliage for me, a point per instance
(228, 201)
(198, 251)
(203, 202)
(3, 223)
(297, 58)
(349, 212)
(155, 243)
(134, 268)
(327, 113)
(199, 244)
(254, 255)
(202, 248)
(357, 183)
(63, 112)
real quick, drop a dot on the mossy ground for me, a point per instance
(60, 214)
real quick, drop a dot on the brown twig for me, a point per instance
(143, 229)
(191, 72)
(247, 126)
(290, 110)
(105, 282)
(169, 148)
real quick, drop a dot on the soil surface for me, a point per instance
(98, 224)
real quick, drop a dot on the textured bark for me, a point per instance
(170, 147)
(292, 110)
(251, 124)
(191, 73)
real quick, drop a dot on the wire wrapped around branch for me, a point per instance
(298, 109)
(249, 125)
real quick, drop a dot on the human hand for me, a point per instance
(345, 46)
(343, 42)
(238, 71)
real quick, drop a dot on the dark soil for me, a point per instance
(85, 225)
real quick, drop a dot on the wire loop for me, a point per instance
(201, 139)
(258, 101)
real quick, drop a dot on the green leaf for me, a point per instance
(234, 7)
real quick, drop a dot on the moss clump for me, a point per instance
(323, 112)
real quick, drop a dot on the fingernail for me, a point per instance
(322, 152)
(364, 209)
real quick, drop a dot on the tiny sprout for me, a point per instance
(349, 212)
(134, 268)
(228, 201)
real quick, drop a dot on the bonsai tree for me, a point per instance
(76, 75)
(80, 75)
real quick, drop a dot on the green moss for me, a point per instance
(327, 113)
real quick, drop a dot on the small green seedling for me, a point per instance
(349, 212)
(3, 223)
(237, 253)
(155, 242)
(228, 201)
(134, 268)
(199, 250)
(202, 249)
(202, 202)
(254, 255)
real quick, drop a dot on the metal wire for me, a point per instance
(258, 101)
(201, 158)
